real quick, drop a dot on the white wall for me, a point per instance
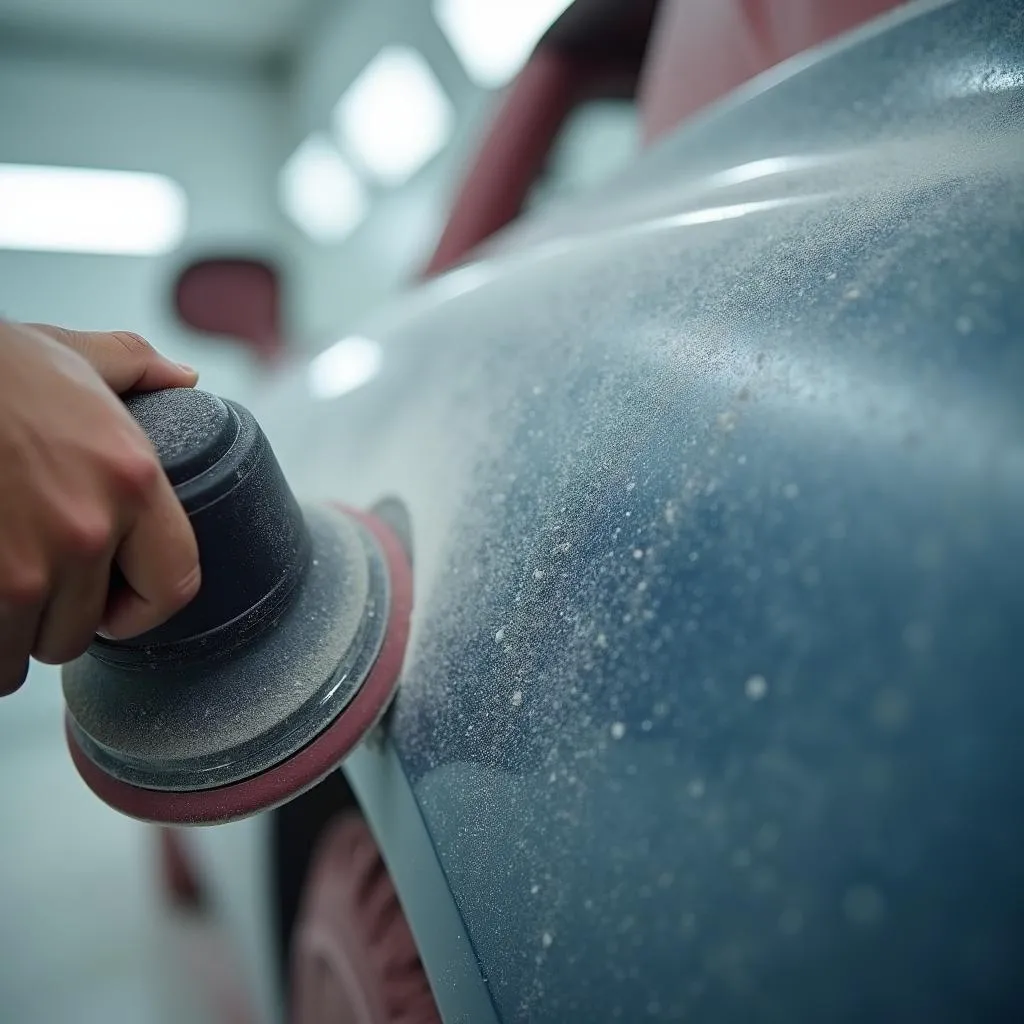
(76, 903)
(334, 285)
(221, 138)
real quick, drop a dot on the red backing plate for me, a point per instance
(305, 768)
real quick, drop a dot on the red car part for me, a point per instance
(675, 56)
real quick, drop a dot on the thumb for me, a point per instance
(126, 361)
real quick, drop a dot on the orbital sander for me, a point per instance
(286, 658)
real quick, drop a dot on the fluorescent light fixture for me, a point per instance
(320, 192)
(395, 116)
(77, 209)
(494, 38)
(348, 364)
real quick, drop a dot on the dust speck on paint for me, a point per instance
(756, 687)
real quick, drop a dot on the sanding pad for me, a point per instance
(286, 659)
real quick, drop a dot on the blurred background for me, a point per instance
(317, 143)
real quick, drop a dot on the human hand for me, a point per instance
(80, 489)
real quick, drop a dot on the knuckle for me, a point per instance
(87, 534)
(186, 588)
(136, 469)
(23, 586)
(134, 344)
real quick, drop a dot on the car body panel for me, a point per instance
(712, 703)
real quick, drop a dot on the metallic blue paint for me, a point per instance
(713, 707)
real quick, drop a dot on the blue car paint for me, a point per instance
(713, 704)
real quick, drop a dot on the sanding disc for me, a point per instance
(281, 664)
(359, 702)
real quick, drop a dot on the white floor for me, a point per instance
(80, 941)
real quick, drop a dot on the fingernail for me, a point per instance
(104, 635)
(188, 369)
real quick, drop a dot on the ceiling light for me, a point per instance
(320, 192)
(75, 209)
(494, 38)
(348, 364)
(395, 116)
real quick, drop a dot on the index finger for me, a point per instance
(126, 361)
(159, 560)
